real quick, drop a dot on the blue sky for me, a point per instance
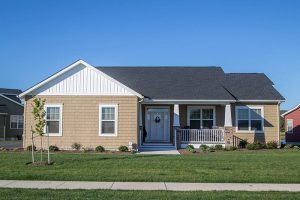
(37, 38)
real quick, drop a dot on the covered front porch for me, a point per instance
(177, 125)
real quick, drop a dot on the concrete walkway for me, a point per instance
(160, 152)
(150, 186)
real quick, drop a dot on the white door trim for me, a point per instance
(146, 123)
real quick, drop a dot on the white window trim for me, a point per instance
(17, 122)
(201, 107)
(249, 118)
(287, 126)
(60, 119)
(116, 119)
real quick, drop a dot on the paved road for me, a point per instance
(149, 186)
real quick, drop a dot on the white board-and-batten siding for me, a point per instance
(82, 80)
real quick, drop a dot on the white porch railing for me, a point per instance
(214, 136)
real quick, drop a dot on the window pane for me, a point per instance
(108, 113)
(53, 113)
(195, 124)
(14, 125)
(52, 127)
(21, 121)
(195, 114)
(13, 118)
(256, 125)
(243, 113)
(108, 127)
(207, 124)
(256, 114)
(243, 125)
(207, 114)
(290, 125)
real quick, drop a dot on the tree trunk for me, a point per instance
(48, 149)
(41, 148)
(32, 147)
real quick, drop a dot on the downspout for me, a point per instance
(140, 126)
(278, 114)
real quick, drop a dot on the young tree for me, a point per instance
(40, 121)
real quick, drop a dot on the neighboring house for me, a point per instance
(11, 114)
(154, 107)
(292, 125)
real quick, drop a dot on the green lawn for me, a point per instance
(29, 194)
(269, 166)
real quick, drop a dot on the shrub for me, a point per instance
(272, 145)
(193, 151)
(203, 147)
(219, 147)
(123, 148)
(190, 147)
(76, 146)
(100, 149)
(255, 146)
(296, 147)
(288, 146)
(29, 148)
(53, 148)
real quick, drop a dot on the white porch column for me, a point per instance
(228, 118)
(176, 123)
(228, 130)
(140, 115)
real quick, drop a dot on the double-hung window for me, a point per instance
(201, 117)
(249, 119)
(53, 120)
(16, 122)
(290, 126)
(108, 115)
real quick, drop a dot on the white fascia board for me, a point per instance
(263, 101)
(291, 110)
(11, 100)
(71, 67)
(177, 101)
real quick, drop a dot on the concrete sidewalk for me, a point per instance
(149, 186)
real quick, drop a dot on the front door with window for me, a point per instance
(157, 125)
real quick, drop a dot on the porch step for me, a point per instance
(157, 147)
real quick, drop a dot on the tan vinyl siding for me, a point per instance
(271, 124)
(81, 121)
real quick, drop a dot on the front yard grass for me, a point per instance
(264, 166)
(29, 194)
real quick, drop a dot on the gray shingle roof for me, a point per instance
(251, 86)
(11, 93)
(194, 83)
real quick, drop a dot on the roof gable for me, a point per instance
(80, 78)
(291, 110)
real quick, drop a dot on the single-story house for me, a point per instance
(11, 114)
(292, 125)
(154, 107)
